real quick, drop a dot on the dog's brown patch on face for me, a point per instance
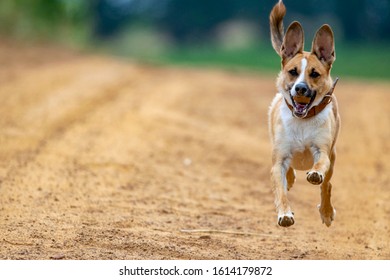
(291, 71)
(317, 75)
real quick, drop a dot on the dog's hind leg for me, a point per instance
(326, 209)
(279, 183)
(290, 178)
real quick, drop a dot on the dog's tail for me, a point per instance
(276, 23)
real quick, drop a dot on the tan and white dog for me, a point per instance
(303, 117)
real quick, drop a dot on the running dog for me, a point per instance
(303, 117)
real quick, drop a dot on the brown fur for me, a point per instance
(276, 23)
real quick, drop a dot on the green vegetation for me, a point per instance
(363, 60)
(252, 58)
(353, 60)
(63, 21)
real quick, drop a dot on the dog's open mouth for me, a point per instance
(301, 105)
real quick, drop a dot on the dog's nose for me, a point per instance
(301, 88)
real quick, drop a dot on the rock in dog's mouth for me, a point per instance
(301, 105)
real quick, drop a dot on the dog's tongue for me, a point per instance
(300, 108)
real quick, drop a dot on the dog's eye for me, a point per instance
(314, 74)
(293, 72)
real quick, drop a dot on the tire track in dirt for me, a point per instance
(36, 120)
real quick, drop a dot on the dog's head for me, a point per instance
(305, 76)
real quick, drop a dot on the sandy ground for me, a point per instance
(106, 159)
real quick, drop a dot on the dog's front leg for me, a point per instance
(321, 164)
(280, 185)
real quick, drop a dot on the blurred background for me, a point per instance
(230, 33)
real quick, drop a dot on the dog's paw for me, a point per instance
(286, 219)
(315, 177)
(327, 214)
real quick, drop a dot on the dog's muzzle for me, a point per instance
(302, 98)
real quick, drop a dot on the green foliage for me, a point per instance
(63, 20)
(255, 58)
(363, 60)
(353, 60)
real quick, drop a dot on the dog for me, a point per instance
(303, 117)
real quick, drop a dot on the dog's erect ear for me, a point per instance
(293, 41)
(323, 45)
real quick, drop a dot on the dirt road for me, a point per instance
(106, 159)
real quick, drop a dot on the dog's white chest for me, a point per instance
(299, 136)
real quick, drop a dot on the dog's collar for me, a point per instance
(315, 110)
